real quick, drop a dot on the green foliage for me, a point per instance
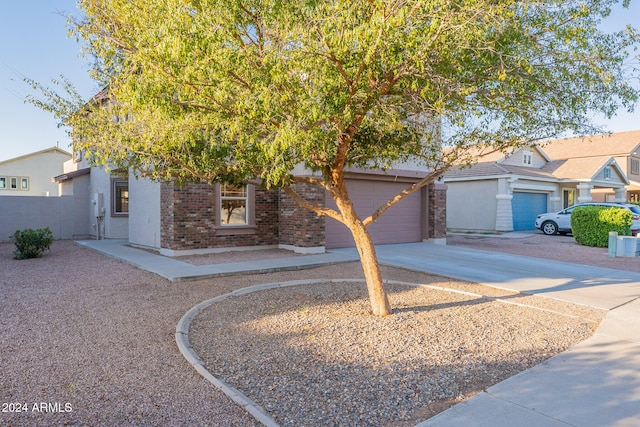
(228, 91)
(591, 225)
(31, 243)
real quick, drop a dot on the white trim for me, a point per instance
(535, 187)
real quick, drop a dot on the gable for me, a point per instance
(525, 157)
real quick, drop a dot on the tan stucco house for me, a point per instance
(506, 191)
(30, 175)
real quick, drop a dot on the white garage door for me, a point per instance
(400, 224)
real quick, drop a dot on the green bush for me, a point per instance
(31, 243)
(590, 225)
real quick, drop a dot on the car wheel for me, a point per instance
(549, 228)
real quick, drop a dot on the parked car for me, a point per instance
(560, 222)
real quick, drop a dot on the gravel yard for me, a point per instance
(94, 335)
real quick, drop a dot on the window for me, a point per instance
(635, 166)
(24, 184)
(3, 182)
(233, 205)
(13, 183)
(568, 198)
(607, 173)
(120, 196)
(527, 158)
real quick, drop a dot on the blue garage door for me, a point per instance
(525, 208)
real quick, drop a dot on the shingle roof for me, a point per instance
(581, 168)
(615, 144)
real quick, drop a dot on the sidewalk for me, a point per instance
(595, 383)
(175, 270)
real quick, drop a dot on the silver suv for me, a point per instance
(560, 222)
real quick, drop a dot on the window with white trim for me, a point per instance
(13, 183)
(24, 184)
(3, 182)
(527, 158)
(607, 172)
(234, 206)
(635, 166)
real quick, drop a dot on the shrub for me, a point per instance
(591, 225)
(31, 243)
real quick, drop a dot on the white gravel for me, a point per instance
(94, 335)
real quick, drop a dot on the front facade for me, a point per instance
(30, 175)
(506, 192)
(202, 218)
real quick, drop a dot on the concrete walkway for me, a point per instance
(595, 383)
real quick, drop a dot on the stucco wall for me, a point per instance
(472, 205)
(17, 213)
(112, 227)
(39, 168)
(144, 212)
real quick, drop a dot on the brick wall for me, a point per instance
(437, 211)
(188, 219)
(298, 226)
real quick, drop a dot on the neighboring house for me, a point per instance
(505, 192)
(624, 147)
(30, 175)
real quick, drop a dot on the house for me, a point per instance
(624, 147)
(100, 199)
(202, 218)
(506, 191)
(30, 175)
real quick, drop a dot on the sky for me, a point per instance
(34, 44)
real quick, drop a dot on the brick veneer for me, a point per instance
(188, 219)
(437, 211)
(300, 227)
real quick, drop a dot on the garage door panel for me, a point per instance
(400, 224)
(525, 207)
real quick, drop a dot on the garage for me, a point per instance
(400, 224)
(526, 207)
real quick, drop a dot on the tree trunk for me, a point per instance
(377, 294)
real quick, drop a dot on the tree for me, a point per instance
(234, 91)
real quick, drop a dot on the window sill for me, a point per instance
(235, 229)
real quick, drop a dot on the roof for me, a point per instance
(492, 169)
(36, 153)
(615, 144)
(566, 169)
(71, 175)
(585, 167)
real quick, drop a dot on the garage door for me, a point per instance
(400, 224)
(525, 207)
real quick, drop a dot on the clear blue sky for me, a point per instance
(34, 44)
